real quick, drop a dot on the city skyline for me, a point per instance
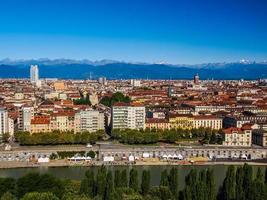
(180, 32)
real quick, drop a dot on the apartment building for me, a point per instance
(130, 116)
(181, 121)
(207, 121)
(62, 121)
(3, 122)
(27, 115)
(89, 120)
(157, 123)
(40, 124)
(237, 136)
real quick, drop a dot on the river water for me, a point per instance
(77, 173)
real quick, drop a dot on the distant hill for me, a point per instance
(72, 69)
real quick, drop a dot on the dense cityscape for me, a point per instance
(51, 122)
(206, 113)
(133, 100)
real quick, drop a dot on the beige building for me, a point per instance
(212, 122)
(62, 121)
(89, 120)
(59, 85)
(155, 123)
(40, 124)
(237, 136)
(181, 121)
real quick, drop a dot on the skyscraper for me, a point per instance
(34, 74)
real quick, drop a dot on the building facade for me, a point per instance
(237, 136)
(89, 120)
(128, 116)
(3, 122)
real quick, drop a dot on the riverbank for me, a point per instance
(66, 163)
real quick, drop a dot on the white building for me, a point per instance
(128, 116)
(135, 83)
(3, 122)
(27, 116)
(89, 120)
(34, 73)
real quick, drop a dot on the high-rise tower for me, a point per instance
(34, 74)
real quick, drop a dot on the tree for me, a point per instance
(39, 196)
(133, 182)
(5, 137)
(247, 181)
(164, 178)
(211, 187)
(173, 181)
(88, 184)
(8, 196)
(229, 184)
(239, 184)
(75, 197)
(145, 185)
(213, 138)
(117, 178)
(161, 192)
(124, 178)
(101, 181)
(109, 186)
(257, 188)
(91, 154)
(7, 185)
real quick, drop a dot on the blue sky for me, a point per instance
(173, 31)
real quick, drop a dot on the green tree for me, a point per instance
(124, 178)
(91, 154)
(117, 178)
(229, 184)
(239, 184)
(88, 184)
(7, 185)
(164, 178)
(40, 196)
(257, 188)
(247, 181)
(109, 186)
(101, 181)
(133, 182)
(75, 197)
(211, 186)
(213, 138)
(5, 137)
(8, 196)
(173, 181)
(145, 185)
(161, 192)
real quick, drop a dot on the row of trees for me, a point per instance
(104, 184)
(57, 137)
(240, 184)
(149, 136)
(116, 97)
(123, 185)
